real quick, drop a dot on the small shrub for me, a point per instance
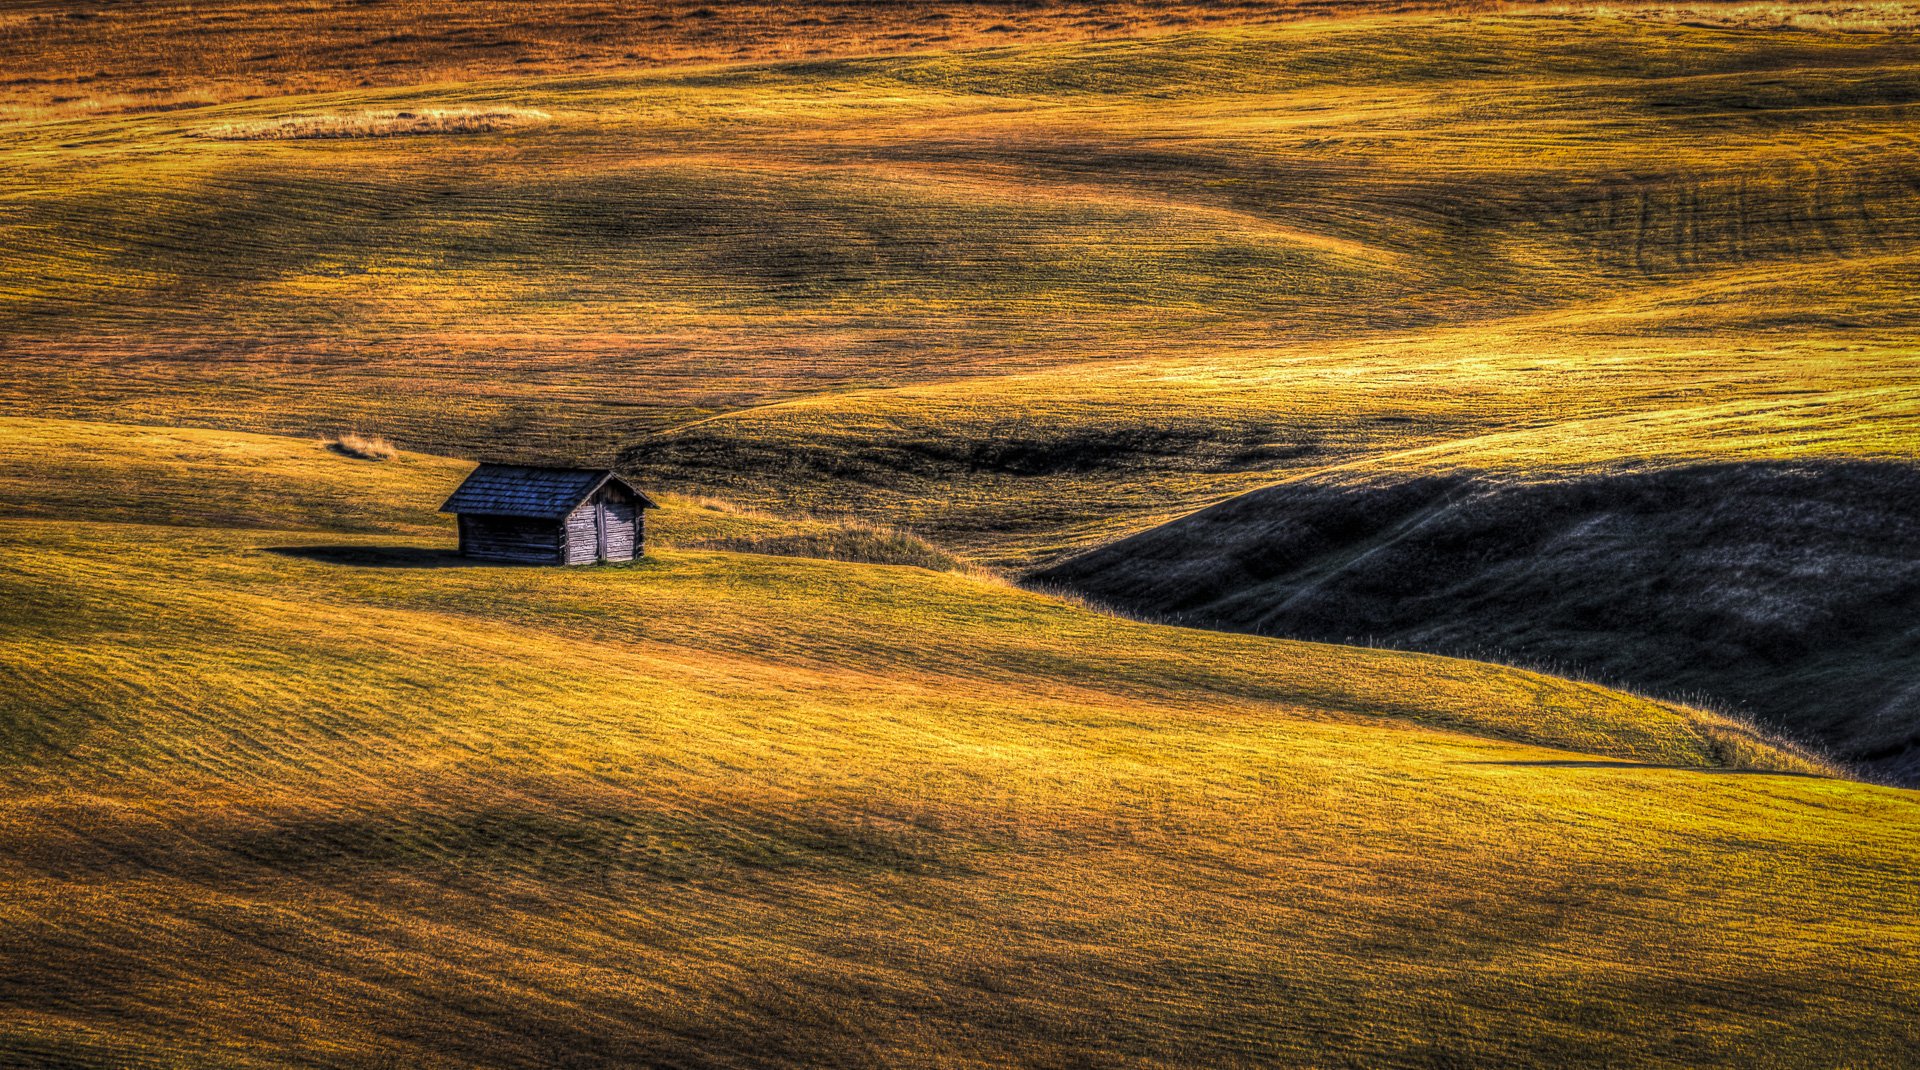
(364, 447)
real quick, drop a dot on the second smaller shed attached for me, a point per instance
(549, 516)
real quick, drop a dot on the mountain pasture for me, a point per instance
(1025, 299)
(889, 312)
(314, 796)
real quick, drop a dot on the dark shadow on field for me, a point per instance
(1787, 591)
(381, 556)
(1614, 763)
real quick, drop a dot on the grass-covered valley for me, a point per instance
(1573, 339)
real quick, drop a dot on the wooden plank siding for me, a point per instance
(602, 528)
(623, 528)
(509, 538)
(581, 536)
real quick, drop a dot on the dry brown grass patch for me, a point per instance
(364, 447)
(385, 123)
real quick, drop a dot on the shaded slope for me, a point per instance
(1026, 470)
(1788, 590)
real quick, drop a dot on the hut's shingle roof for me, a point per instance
(525, 490)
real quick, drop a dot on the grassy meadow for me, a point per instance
(186, 477)
(885, 303)
(282, 797)
(1023, 299)
(78, 57)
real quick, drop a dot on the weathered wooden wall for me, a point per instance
(582, 539)
(621, 519)
(510, 538)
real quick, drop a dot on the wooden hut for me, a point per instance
(549, 516)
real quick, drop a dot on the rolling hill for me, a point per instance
(79, 57)
(284, 797)
(1240, 321)
(1024, 300)
(1785, 590)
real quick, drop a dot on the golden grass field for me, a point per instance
(1024, 299)
(89, 56)
(324, 797)
(286, 783)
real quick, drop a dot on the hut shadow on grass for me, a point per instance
(380, 556)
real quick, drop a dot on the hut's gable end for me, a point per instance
(605, 527)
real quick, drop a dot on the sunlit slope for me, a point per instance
(1024, 469)
(64, 471)
(278, 798)
(663, 248)
(91, 56)
(200, 478)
